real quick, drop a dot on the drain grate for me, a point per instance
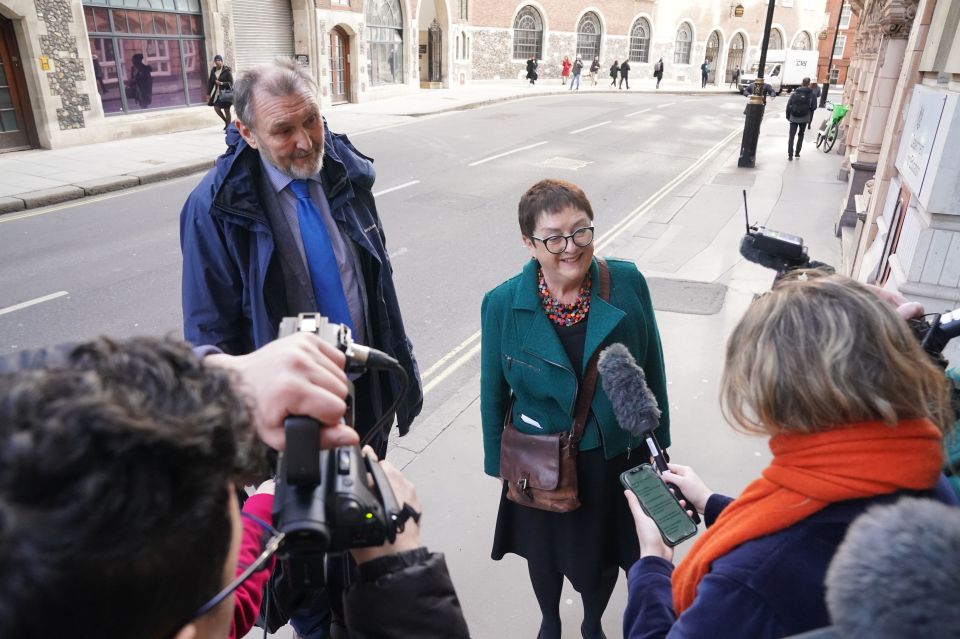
(685, 296)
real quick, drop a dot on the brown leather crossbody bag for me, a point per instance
(541, 470)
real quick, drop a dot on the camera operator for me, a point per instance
(118, 513)
(856, 413)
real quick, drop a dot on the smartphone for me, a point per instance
(659, 503)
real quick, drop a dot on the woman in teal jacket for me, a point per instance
(540, 329)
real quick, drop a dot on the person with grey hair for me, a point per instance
(286, 223)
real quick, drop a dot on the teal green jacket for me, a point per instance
(520, 350)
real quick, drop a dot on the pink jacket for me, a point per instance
(249, 595)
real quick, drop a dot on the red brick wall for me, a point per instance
(833, 8)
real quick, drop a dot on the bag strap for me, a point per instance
(589, 384)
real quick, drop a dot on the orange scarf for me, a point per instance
(810, 472)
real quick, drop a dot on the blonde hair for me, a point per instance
(822, 350)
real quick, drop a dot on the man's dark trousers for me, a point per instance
(796, 129)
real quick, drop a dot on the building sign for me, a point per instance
(932, 126)
(302, 60)
(919, 135)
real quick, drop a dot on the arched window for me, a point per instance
(588, 36)
(735, 56)
(713, 56)
(640, 41)
(803, 41)
(681, 52)
(385, 36)
(528, 35)
(776, 40)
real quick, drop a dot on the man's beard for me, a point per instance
(304, 172)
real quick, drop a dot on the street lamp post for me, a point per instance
(826, 82)
(751, 126)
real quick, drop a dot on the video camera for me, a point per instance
(323, 501)
(783, 253)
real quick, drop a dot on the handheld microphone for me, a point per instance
(634, 405)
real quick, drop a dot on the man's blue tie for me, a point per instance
(321, 260)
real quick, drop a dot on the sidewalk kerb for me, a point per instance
(46, 197)
(11, 205)
(172, 170)
(100, 186)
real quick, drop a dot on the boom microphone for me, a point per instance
(634, 405)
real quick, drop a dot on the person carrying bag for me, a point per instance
(550, 436)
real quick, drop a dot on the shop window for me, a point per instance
(147, 59)
(528, 35)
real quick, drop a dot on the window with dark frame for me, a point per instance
(588, 36)
(528, 34)
(147, 54)
(640, 41)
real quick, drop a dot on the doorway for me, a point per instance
(339, 66)
(16, 119)
(713, 56)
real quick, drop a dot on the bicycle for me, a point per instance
(830, 127)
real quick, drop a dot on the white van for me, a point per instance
(785, 70)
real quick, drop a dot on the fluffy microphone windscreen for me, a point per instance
(896, 573)
(626, 385)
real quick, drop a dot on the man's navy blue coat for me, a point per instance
(233, 291)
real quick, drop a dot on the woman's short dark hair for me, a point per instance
(550, 196)
(114, 497)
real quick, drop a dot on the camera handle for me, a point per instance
(302, 454)
(386, 496)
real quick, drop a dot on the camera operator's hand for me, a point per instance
(405, 493)
(905, 308)
(297, 375)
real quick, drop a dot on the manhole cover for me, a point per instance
(564, 163)
(684, 296)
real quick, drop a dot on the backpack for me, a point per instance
(799, 104)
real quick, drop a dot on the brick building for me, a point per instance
(843, 50)
(80, 71)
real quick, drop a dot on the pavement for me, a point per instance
(685, 240)
(42, 177)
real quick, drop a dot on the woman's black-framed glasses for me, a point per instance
(270, 548)
(557, 244)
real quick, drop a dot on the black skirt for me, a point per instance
(581, 544)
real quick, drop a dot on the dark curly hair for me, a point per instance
(114, 490)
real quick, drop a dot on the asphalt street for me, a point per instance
(447, 187)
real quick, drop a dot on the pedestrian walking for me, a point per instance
(735, 78)
(658, 71)
(614, 70)
(565, 69)
(541, 332)
(816, 102)
(221, 78)
(625, 74)
(800, 108)
(594, 69)
(532, 70)
(704, 73)
(576, 70)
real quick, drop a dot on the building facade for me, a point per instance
(904, 232)
(81, 71)
(837, 34)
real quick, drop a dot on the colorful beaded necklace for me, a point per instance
(564, 314)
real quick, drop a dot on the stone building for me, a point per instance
(901, 219)
(682, 32)
(80, 71)
(841, 22)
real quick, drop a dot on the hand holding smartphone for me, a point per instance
(659, 504)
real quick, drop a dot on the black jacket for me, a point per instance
(802, 95)
(403, 596)
(226, 77)
(624, 69)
